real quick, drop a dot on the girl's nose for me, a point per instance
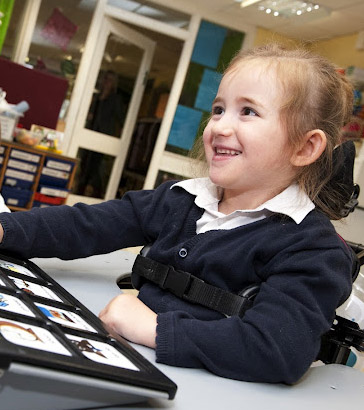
(223, 126)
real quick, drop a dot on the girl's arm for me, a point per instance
(129, 317)
(78, 231)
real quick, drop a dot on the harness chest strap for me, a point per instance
(190, 288)
(335, 344)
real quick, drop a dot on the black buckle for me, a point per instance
(352, 203)
(336, 343)
(176, 281)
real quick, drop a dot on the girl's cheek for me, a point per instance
(206, 136)
(204, 139)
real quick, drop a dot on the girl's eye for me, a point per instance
(217, 110)
(248, 111)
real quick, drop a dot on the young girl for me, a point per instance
(260, 217)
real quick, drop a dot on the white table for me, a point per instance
(331, 387)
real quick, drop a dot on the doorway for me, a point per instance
(152, 109)
(107, 115)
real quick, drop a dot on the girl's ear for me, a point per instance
(313, 145)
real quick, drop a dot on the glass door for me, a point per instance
(107, 116)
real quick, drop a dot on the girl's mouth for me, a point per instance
(226, 152)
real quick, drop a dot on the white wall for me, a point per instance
(352, 227)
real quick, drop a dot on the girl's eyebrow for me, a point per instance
(245, 100)
(217, 100)
(250, 101)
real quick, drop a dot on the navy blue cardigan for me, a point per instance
(304, 270)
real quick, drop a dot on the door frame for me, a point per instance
(188, 36)
(105, 144)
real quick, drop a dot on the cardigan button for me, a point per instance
(183, 252)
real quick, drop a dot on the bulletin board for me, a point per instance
(45, 327)
(44, 92)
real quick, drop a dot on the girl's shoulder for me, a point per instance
(315, 231)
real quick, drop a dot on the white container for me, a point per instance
(356, 359)
(8, 124)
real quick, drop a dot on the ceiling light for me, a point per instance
(288, 8)
(246, 3)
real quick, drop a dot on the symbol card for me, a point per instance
(101, 352)
(35, 289)
(31, 336)
(13, 304)
(16, 268)
(65, 317)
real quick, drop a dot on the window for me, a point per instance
(153, 11)
(8, 34)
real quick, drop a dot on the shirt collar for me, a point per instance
(292, 202)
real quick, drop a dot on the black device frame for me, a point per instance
(147, 377)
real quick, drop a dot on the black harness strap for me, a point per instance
(189, 287)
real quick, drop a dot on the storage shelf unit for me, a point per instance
(32, 177)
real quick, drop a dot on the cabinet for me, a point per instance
(31, 177)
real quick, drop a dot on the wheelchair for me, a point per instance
(344, 334)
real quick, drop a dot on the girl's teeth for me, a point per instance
(227, 151)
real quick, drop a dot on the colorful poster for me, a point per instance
(184, 128)
(59, 30)
(31, 336)
(207, 90)
(14, 267)
(13, 304)
(206, 51)
(101, 352)
(35, 289)
(65, 317)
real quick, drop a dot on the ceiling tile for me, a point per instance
(306, 32)
(338, 4)
(346, 18)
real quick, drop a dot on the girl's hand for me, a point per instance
(129, 317)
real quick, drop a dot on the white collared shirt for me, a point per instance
(291, 202)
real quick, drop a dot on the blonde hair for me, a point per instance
(315, 96)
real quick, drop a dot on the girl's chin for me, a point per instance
(216, 180)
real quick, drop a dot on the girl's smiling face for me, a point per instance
(245, 142)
